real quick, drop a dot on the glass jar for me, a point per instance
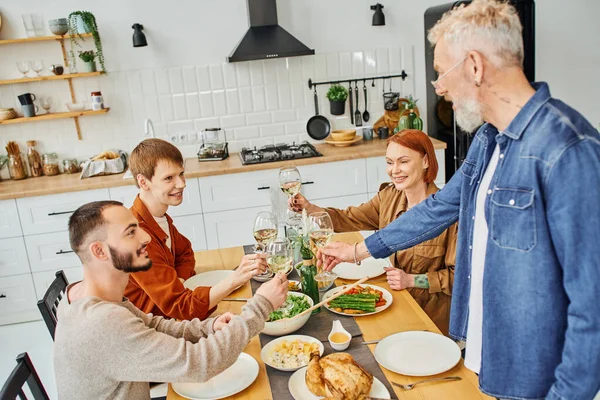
(50, 161)
(35, 161)
(97, 101)
(17, 167)
(70, 166)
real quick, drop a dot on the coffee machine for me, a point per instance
(441, 123)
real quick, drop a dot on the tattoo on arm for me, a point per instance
(421, 281)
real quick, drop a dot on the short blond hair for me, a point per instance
(146, 155)
(490, 27)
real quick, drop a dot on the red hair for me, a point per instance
(418, 141)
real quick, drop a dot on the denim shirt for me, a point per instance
(541, 306)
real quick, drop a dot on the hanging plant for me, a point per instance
(76, 18)
(337, 95)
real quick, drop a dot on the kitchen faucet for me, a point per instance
(147, 126)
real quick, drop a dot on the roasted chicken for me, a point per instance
(337, 376)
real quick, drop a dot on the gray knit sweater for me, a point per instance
(106, 350)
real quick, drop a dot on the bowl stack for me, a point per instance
(343, 138)
(59, 26)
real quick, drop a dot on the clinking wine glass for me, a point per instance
(265, 229)
(290, 183)
(321, 233)
(37, 66)
(279, 256)
(23, 67)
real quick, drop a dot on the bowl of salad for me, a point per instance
(279, 322)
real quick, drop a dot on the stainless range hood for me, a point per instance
(265, 38)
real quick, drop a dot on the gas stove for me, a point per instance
(278, 152)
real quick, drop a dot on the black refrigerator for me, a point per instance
(441, 123)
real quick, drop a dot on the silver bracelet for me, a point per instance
(355, 259)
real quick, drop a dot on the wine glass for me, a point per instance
(23, 67)
(46, 102)
(279, 256)
(37, 66)
(321, 233)
(290, 183)
(265, 229)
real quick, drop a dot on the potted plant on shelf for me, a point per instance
(84, 22)
(337, 95)
(88, 58)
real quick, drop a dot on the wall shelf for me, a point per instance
(49, 78)
(57, 115)
(41, 38)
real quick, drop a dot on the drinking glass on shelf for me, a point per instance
(23, 67)
(37, 66)
(265, 230)
(279, 256)
(46, 102)
(321, 232)
(290, 183)
(28, 23)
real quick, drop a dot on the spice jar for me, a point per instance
(50, 164)
(97, 101)
(35, 161)
(16, 166)
(70, 166)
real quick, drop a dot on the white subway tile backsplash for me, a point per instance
(245, 100)
(258, 118)
(284, 115)
(298, 90)
(270, 71)
(229, 75)
(248, 132)
(258, 143)
(243, 74)
(233, 121)
(283, 73)
(162, 81)
(295, 67)
(180, 107)
(272, 130)
(190, 82)
(295, 127)
(166, 108)
(358, 67)
(285, 96)
(333, 65)
(206, 104)
(256, 73)
(345, 65)
(320, 66)
(272, 97)
(176, 79)
(219, 102)
(395, 60)
(370, 60)
(177, 127)
(216, 76)
(236, 146)
(152, 108)
(308, 68)
(258, 98)
(408, 58)
(133, 78)
(193, 105)
(233, 101)
(203, 77)
(383, 60)
(205, 123)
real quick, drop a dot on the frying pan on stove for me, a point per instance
(318, 127)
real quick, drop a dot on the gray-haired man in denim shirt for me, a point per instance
(527, 198)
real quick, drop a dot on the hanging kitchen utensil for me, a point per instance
(318, 127)
(357, 115)
(390, 84)
(373, 83)
(366, 114)
(351, 104)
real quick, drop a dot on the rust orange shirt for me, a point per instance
(159, 290)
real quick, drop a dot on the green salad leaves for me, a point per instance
(294, 305)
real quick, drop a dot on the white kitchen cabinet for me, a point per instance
(50, 252)
(231, 228)
(191, 198)
(9, 219)
(192, 227)
(18, 302)
(44, 214)
(13, 257)
(235, 191)
(334, 179)
(43, 280)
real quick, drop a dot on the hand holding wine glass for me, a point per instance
(321, 233)
(290, 183)
(265, 229)
(279, 256)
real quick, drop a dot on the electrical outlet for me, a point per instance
(192, 137)
(183, 137)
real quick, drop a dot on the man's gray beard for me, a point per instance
(468, 115)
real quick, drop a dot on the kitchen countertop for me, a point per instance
(65, 183)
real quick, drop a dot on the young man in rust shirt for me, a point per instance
(158, 169)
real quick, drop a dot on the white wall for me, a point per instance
(197, 35)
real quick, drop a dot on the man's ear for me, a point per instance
(476, 67)
(142, 182)
(98, 251)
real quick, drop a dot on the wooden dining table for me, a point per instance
(404, 314)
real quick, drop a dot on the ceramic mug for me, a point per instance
(27, 98)
(383, 132)
(29, 110)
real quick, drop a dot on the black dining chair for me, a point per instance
(49, 302)
(23, 373)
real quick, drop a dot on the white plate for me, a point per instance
(264, 277)
(265, 353)
(417, 353)
(210, 278)
(299, 390)
(370, 267)
(386, 295)
(229, 382)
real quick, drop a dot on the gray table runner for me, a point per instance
(319, 326)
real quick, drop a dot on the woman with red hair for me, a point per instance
(427, 269)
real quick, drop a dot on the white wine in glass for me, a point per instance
(291, 188)
(290, 183)
(265, 236)
(279, 256)
(321, 237)
(265, 229)
(321, 233)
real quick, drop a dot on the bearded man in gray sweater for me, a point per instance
(106, 348)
